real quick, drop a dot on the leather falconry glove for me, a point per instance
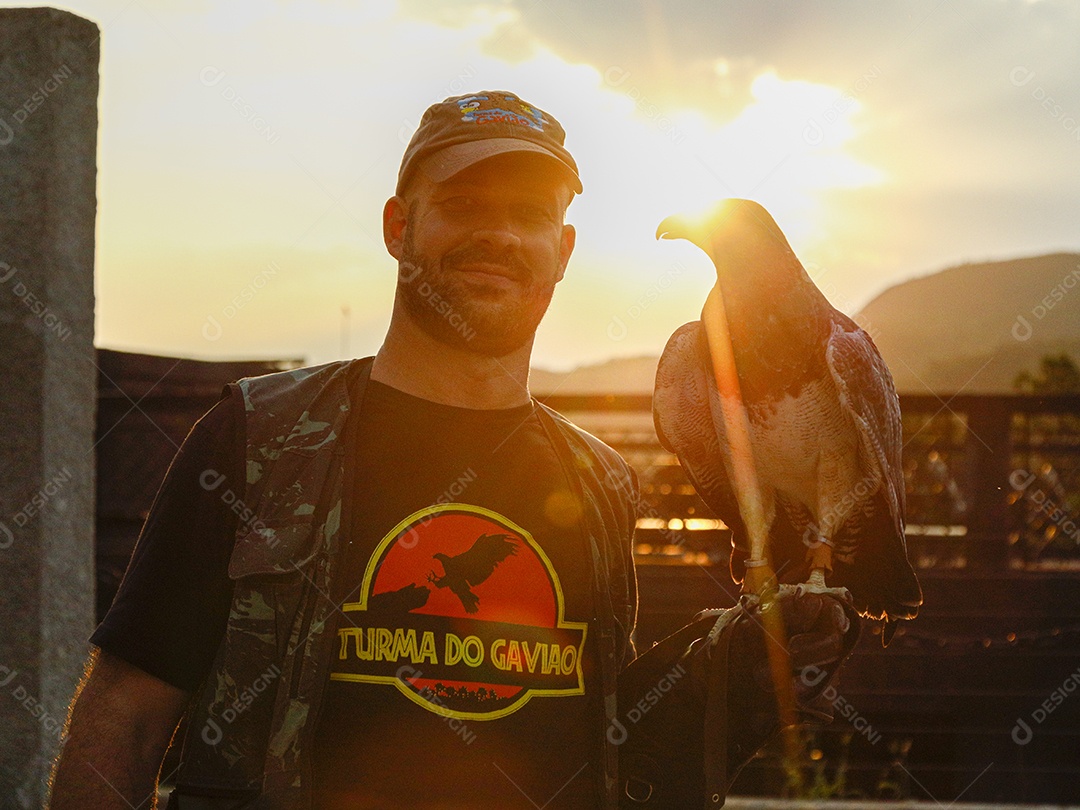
(693, 711)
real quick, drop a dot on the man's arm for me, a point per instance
(119, 727)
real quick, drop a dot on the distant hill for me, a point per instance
(976, 326)
(622, 375)
(970, 328)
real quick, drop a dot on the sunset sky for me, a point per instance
(246, 149)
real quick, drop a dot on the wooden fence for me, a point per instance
(977, 699)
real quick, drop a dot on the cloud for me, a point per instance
(887, 140)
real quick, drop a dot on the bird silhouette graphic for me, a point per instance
(472, 567)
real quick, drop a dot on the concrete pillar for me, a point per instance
(48, 145)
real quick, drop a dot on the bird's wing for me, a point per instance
(880, 568)
(867, 394)
(685, 426)
(686, 414)
(478, 562)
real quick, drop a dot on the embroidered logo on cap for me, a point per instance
(487, 110)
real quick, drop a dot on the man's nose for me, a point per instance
(498, 231)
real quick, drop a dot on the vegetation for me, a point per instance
(1057, 374)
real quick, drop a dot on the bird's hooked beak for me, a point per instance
(718, 223)
(670, 228)
(695, 226)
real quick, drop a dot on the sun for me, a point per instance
(785, 149)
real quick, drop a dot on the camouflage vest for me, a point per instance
(251, 732)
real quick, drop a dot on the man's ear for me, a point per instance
(394, 219)
(566, 247)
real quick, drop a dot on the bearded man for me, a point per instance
(397, 581)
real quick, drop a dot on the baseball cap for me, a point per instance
(462, 130)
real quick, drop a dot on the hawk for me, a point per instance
(472, 567)
(785, 418)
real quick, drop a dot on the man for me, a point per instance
(391, 582)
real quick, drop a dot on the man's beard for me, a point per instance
(487, 321)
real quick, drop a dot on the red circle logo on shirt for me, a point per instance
(461, 610)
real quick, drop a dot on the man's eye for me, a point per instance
(535, 213)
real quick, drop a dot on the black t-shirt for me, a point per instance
(466, 672)
(169, 614)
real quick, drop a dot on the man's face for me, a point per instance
(481, 252)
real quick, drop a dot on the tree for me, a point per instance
(1057, 374)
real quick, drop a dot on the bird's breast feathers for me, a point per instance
(806, 446)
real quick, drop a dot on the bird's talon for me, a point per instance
(726, 616)
(843, 594)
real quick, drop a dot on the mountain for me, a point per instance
(622, 375)
(974, 327)
(970, 328)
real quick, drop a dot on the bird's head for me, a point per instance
(740, 236)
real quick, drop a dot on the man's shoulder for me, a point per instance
(293, 377)
(582, 438)
(296, 383)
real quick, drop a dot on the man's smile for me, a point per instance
(483, 267)
(496, 274)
